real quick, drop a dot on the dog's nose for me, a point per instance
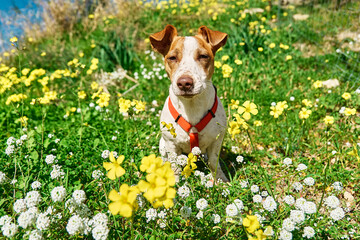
(185, 83)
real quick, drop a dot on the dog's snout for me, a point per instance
(185, 83)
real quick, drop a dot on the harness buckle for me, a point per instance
(211, 112)
(178, 117)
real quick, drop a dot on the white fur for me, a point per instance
(193, 110)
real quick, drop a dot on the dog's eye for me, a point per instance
(172, 58)
(203, 56)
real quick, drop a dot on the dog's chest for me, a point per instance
(206, 137)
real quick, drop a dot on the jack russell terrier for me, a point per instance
(192, 107)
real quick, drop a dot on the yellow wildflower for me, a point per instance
(125, 202)
(139, 105)
(124, 105)
(282, 105)
(251, 223)
(94, 85)
(307, 103)
(23, 120)
(238, 62)
(350, 111)
(304, 113)
(224, 58)
(13, 39)
(288, 57)
(170, 127)
(241, 121)
(234, 129)
(103, 100)
(247, 109)
(272, 45)
(73, 109)
(81, 94)
(275, 111)
(260, 49)
(234, 104)
(346, 96)
(43, 54)
(317, 84)
(150, 163)
(217, 64)
(329, 120)
(114, 168)
(25, 71)
(258, 123)
(15, 98)
(226, 70)
(190, 166)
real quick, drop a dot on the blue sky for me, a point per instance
(7, 5)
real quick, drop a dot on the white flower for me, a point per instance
(273, 104)
(183, 191)
(10, 141)
(240, 159)
(309, 232)
(79, 196)
(288, 225)
(75, 225)
(196, 151)
(216, 218)
(254, 188)
(105, 154)
(297, 216)
(32, 199)
(2, 177)
(287, 161)
(92, 105)
(9, 150)
(151, 214)
(200, 215)
(292, 98)
(239, 204)
(19, 206)
(26, 219)
(23, 137)
(9, 230)
(209, 184)
(257, 198)
(264, 193)
(58, 194)
(162, 224)
(100, 232)
(182, 160)
(225, 192)
(97, 174)
(337, 214)
(301, 167)
(6, 219)
(300, 203)
(35, 235)
(309, 181)
(336, 185)
(114, 138)
(185, 211)
(289, 200)
(99, 219)
(57, 172)
(285, 235)
(243, 184)
(42, 222)
(269, 204)
(309, 207)
(57, 140)
(50, 135)
(231, 210)
(332, 202)
(162, 215)
(297, 186)
(201, 204)
(36, 185)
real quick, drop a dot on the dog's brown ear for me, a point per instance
(215, 38)
(161, 41)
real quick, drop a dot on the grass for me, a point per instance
(80, 134)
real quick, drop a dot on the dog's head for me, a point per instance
(189, 61)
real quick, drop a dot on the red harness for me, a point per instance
(194, 138)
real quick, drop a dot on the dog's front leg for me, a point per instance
(214, 162)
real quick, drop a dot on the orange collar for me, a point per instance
(194, 138)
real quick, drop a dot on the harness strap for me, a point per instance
(186, 126)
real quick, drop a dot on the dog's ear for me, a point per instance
(161, 41)
(215, 38)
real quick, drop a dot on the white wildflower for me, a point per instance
(97, 174)
(309, 207)
(50, 159)
(185, 211)
(36, 185)
(57, 172)
(58, 194)
(183, 191)
(289, 200)
(79, 196)
(9, 230)
(285, 235)
(200, 215)
(297, 216)
(26, 219)
(202, 204)
(6, 219)
(151, 214)
(309, 181)
(19, 206)
(231, 210)
(105, 154)
(297, 186)
(301, 167)
(257, 198)
(269, 204)
(309, 232)
(337, 214)
(100, 232)
(216, 218)
(287, 161)
(336, 185)
(42, 222)
(332, 202)
(196, 151)
(35, 235)
(300, 203)
(240, 159)
(32, 199)
(2, 177)
(75, 225)
(254, 188)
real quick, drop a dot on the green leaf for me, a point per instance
(96, 142)
(34, 155)
(46, 142)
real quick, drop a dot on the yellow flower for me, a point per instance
(125, 202)
(251, 223)
(82, 94)
(150, 163)
(304, 113)
(260, 235)
(350, 111)
(272, 45)
(170, 127)
(275, 111)
(103, 100)
(260, 49)
(318, 84)
(307, 103)
(158, 186)
(81, 54)
(217, 64)
(124, 105)
(224, 58)
(73, 109)
(226, 70)
(282, 105)
(43, 54)
(139, 105)
(234, 104)
(329, 120)
(346, 96)
(190, 166)
(114, 168)
(234, 129)
(238, 62)
(25, 71)
(91, 16)
(242, 123)
(288, 57)
(258, 123)
(94, 85)
(247, 109)
(23, 120)
(15, 98)
(13, 39)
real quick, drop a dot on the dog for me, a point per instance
(192, 107)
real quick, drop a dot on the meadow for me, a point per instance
(80, 100)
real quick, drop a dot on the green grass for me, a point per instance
(78, 138)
